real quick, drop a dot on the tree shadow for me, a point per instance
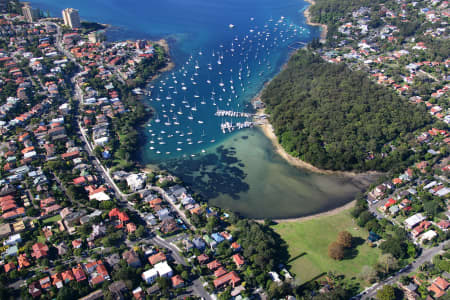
(353, 252)
(312, 280)
(296, 257)
(282, 256)
(357, 241)
(212, 174)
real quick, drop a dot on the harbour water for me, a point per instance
(224, 52)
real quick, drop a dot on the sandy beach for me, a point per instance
(364, 178)
(323, 34)
(318, 215)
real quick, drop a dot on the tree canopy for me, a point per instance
(338, 119)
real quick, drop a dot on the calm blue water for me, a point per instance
(219, 66)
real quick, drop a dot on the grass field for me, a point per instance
(308, 247)
(53, 219)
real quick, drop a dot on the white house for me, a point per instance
(100, 196)
(150, 276)
(414, 220)
(163, 269)
(101, 141)
(136, 181)
(12, 240)
(443, 192)
(429, 235)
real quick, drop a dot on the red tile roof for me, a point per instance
(235, 246)
(9, 266)
(441, 283)
(79, 273)
(177, 281)
(219, 272)
(202, 258)
(238, 260)
(67, 276)
(443, 224)
(56, 278)
(79, 180)
(159, 257)
(389, 203)
(45, 282)
(230, 278)
(214, 265)
(436, 290)
(70, 155)
(39, 250)
(76, 244)
(23, 261)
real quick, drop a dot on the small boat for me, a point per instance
(231, 26)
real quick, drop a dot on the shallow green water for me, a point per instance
(247, 176)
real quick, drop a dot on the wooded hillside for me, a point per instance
(333, 117)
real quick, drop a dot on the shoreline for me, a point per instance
(268, 131)
(327, 213)
(307, 14)
(170, 64)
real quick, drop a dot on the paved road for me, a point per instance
(169, 199)
(426, 255)
(197, 285)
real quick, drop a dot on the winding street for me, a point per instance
(197, 284)
(426, 255)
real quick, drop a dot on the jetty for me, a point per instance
(233, 114)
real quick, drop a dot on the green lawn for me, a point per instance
(308, 247)
(53, 219)
(41, 239)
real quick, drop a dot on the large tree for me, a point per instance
(388, 262)
(336, 251)
(345, 239)
(386, 293)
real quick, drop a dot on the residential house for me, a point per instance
(132, 258)
(157, 258)
(229, 278)
(136, 181)
(39, 250)
(177, 281)
(414, 220)
(238, 260)
(79, 273)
